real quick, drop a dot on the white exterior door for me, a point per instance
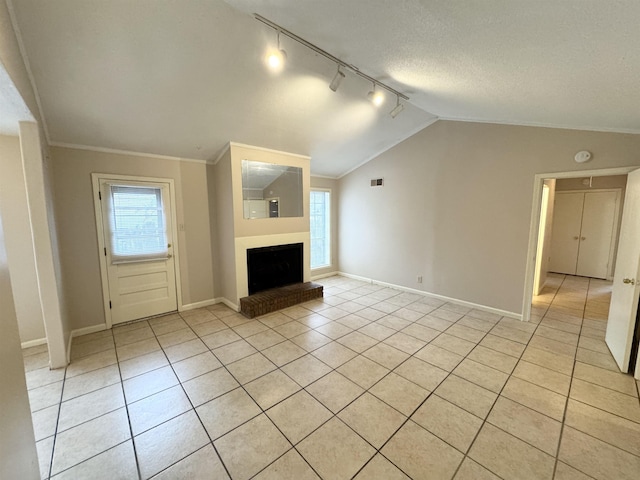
(565, 242)
(596, 236)
(138, 248)
(626, 287)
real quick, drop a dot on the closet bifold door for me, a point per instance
(598, 222)
(565, 241)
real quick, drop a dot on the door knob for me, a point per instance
(169, 256)
(575, 238)
(632, 281)
(583, 238)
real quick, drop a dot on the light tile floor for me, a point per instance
(368, 383)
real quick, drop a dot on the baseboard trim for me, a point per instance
(87, 330)
(195, 305)
(33, 343)
(477, 306)
(83, 331)
(324, 275)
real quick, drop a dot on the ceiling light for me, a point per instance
(337, 80)
(276, 58)
(397, 109)
(376, 97)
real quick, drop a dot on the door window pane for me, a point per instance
(137, 223)
(320, 206)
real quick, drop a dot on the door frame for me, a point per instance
(535, 221)
(96, 178)
(616, 220)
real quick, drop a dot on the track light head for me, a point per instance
(276, 59)
(337, 80)
(376, 97)
(397, 109)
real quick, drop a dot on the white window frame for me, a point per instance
(328, 230)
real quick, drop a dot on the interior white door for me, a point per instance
(138, 248)
(626, 288)
(565, 242)
(597, 234)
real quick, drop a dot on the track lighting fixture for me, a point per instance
(276, 59)
(376, 96)
(337, 80)
(397, 109)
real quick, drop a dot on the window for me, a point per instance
(320, 228)
(137, 223)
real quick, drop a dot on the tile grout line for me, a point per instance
(190, 403)
(126, 406)
(566, 403)
(262, 410)
(378, 342)
(55, 432)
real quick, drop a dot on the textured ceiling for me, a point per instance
(183, 78)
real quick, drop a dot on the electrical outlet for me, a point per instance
(419, 279)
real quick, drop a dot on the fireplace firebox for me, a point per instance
(275, 266)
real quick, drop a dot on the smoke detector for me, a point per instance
(582, 156)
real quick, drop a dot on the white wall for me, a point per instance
(45, 245)
(74, 208)
(456, 206)
(225, 233)
(18, 457)
(19, 242)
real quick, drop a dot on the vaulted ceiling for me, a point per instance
(184, 77)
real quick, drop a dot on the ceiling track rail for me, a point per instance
(324, 53)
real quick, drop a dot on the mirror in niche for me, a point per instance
(270, 190)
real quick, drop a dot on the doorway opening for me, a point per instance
(620, 317)
(539, 258)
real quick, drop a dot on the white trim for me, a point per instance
(538, 181)
(323, 176)
(324, 275)
(125, 152)
(33, 343)
(270, 150)
(477, 306)
(226, 148)
(96, 178)
(87, 330)
(242, 244)
(196, 305)
(83, 331)
(27, 66)
(411, 133)
(542, 125)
